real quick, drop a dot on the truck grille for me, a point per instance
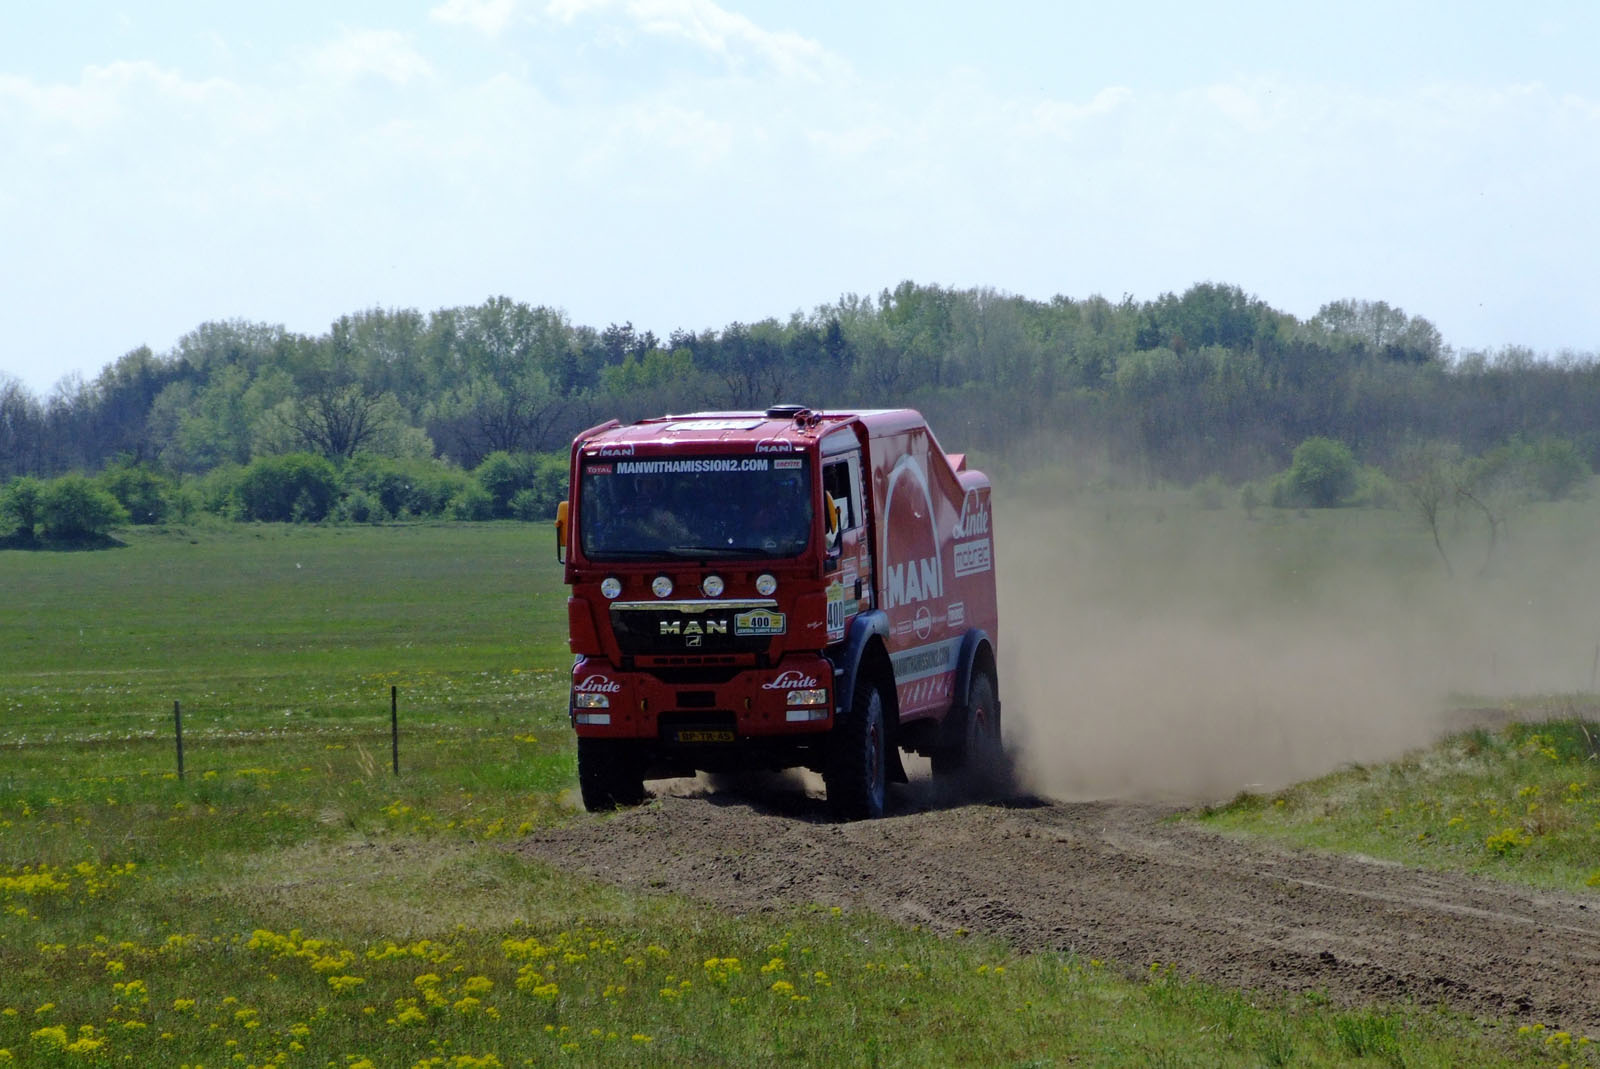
(695, 628)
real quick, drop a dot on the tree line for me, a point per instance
(1210, 384)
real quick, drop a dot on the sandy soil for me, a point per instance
(1115, 881)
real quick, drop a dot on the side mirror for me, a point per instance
(561, 531)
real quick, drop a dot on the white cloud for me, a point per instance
(1060, 117)
(1581, 107)
(850, 142)
(1240, 106)
(485, 16)
(567, 11)
(383, 54)
(729, 35)
(714, 30)
(103, 94)
(684, 133)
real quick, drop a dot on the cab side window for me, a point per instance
(841, 482)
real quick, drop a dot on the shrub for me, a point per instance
(1375, 488)
(1323, 473)
(73, 507)
(145, 494)
(1557, 467)
(184, 503)
(548, 476)
(217, 491)
(19, 504)
(405, 487)
(550, 472)
(472, 502)
(433, 486)
(358, 506)
(1549, 469)
(505, 476)
(297, 487)
(501, 475)
(525, 506)
(1209, 492)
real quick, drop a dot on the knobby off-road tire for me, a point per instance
(610, 774)
(976, 763)
(857, 775)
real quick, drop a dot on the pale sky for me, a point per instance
(688, 163)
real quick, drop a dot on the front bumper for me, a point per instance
(700, 707)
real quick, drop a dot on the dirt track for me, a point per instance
(1117, 881)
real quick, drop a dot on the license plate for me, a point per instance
(705, 736)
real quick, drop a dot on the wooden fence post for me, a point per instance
(394, 726)
(177, 731)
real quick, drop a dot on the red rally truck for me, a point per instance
(778, 589)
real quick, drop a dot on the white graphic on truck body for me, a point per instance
(913, 568)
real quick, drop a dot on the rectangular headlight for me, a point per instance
(802, 716)
(596, 719)
(808, 697)
(591, 701)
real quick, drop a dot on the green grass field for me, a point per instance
(1521, 802)
(291, 902)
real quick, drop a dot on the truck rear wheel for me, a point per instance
(610, 774)
(857, 774)
(976, 762)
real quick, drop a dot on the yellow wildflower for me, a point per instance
(409, 1015)
(52, 1035)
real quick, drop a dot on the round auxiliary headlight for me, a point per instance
(661, 586)
(711, 586)
(765, 584)
(611, 586)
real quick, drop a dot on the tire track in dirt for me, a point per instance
(1119, 882)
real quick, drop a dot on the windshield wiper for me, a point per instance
(681, 552)
(711, 551)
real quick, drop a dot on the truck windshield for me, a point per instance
(694, 507)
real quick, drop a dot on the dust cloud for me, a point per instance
(1183, 655)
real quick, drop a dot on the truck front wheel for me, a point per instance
(857, 774)
(610, 774)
